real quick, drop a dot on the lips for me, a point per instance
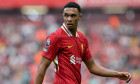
(69, 25)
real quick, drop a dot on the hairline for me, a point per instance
(72, 7)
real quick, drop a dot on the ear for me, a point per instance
(63, 15)
(80, 16)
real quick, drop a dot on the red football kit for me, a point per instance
(67, 52)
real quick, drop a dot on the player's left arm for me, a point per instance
(101, 71)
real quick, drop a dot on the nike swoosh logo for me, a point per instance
(69, 46)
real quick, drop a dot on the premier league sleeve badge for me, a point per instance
(47, 43)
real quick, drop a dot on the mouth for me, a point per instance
(69, 25)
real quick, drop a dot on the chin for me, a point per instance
(71, 28)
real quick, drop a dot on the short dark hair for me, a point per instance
(73, 5)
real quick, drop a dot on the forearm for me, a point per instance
(101, 71)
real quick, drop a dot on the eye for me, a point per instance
(66, 15)
(73, 15)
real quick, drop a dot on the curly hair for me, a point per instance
(73, 5)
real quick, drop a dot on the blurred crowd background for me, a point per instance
(114, 41)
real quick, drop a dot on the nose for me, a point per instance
(69, 19)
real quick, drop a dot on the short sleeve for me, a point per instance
(87, 54)
(51, 47)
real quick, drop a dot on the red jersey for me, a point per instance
(67, 52)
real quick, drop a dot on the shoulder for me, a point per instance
(81, 35)
(55, 36)
(57, 33)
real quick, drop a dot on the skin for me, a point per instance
(44, 64)
(72, 16)
(101, 71)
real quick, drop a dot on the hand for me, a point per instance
(125, 76)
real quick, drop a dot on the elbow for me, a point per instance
(91, 71)
(40, 72)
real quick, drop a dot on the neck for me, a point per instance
(73, 31)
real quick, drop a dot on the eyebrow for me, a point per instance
(70, 14)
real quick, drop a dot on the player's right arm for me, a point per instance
(50, 50)
(44, 64)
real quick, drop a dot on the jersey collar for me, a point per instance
(64, 27)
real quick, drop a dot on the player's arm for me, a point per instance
(101, 71)
(44, 63)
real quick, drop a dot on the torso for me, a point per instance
(67, 52)
(70, 58)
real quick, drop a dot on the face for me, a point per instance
(71, 17)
